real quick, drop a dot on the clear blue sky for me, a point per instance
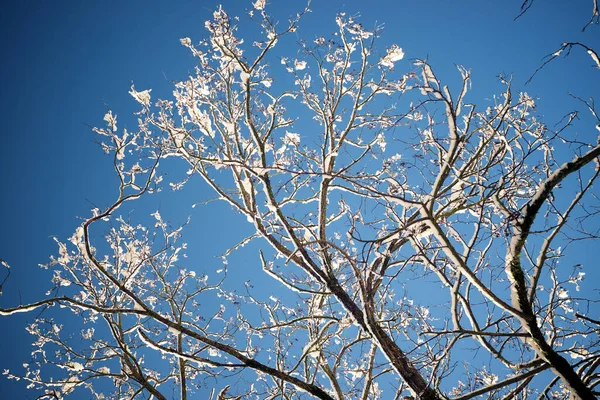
(65, 61)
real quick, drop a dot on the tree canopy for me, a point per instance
(405, 238)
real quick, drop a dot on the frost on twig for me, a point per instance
(395, 223)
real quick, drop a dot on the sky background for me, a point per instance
(65, 62)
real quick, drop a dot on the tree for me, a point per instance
(362, 184)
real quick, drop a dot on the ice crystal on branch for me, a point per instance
(395, 224)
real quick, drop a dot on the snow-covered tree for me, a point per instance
(420, 238)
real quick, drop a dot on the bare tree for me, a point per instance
(419, 237)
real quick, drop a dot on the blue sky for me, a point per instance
(65, 62)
